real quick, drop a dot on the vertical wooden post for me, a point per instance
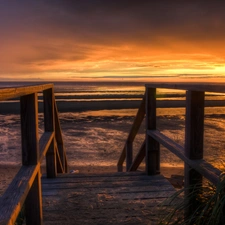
(33, 203)
(59, 140)
(30, 155)
(152, 146)
(49, 121)
(129, 155)
(194, 134)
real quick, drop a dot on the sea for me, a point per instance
(96, 118)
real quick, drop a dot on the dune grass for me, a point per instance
(209, 211)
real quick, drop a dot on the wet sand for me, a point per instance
(80, 106)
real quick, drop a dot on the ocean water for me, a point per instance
(95, 136)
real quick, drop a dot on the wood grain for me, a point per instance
(8, 93)
(29, 129)
(139, 157)
(204, 168)
(152, 155)
(132, 134)
(120, 198)
(191, 86)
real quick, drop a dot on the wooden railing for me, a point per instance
(192, 154)
(26, 186)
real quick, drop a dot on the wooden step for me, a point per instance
(116, 198)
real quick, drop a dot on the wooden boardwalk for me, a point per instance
(116, 198)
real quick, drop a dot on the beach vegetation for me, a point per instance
(208, 211)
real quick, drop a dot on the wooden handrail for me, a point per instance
(12, 200)
(206, 169)
(8, 93)
(26, 186)
(133, 132)
(192, 154)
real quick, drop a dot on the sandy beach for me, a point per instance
(94, 139)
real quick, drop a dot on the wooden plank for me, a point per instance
(92, 178)
(152, 155)
(129, 155)
(49, 122)
(139, 158)
(51, 166)
(194, 125)
(8, 93)
(133, 132)
(204, 168)
(30, 154)
(191, 86)
(49, 116)
(137, 121)
(14, 197)
(20, 186)
(34, 201)
(119, 203)
(102, 174)
(29, 129)
(107, 185)
(58, 160)
(44, 143)
(51, 190)
(59, 140)
(194, 134)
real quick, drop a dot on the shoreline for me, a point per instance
(83, 106)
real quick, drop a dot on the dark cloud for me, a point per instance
(39, 32)
(106, 21)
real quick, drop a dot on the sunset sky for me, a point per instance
(121, 40)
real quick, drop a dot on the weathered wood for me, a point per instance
(59, 140)
(44, 143)
(14, 197)
(30, 154)
(137, 121)
(60, 168)
(204, 168)
(51, 166)
(133, 132)
(29, 129)
(194, 125)
(152, 155)
(8, 93)
(191, 86)
(129, 155)
(194, 134)
(139, 157)
(110, 202)
(26, 186)
(49, 116)
(33, 202)
(49, 122)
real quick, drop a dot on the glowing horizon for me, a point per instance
(106, 41)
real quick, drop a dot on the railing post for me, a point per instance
(129, 154)
(59, 140)
(49, 121)
(152, 157)
(30, 155)
(194, 134)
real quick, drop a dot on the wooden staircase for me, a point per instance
(114, 198)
